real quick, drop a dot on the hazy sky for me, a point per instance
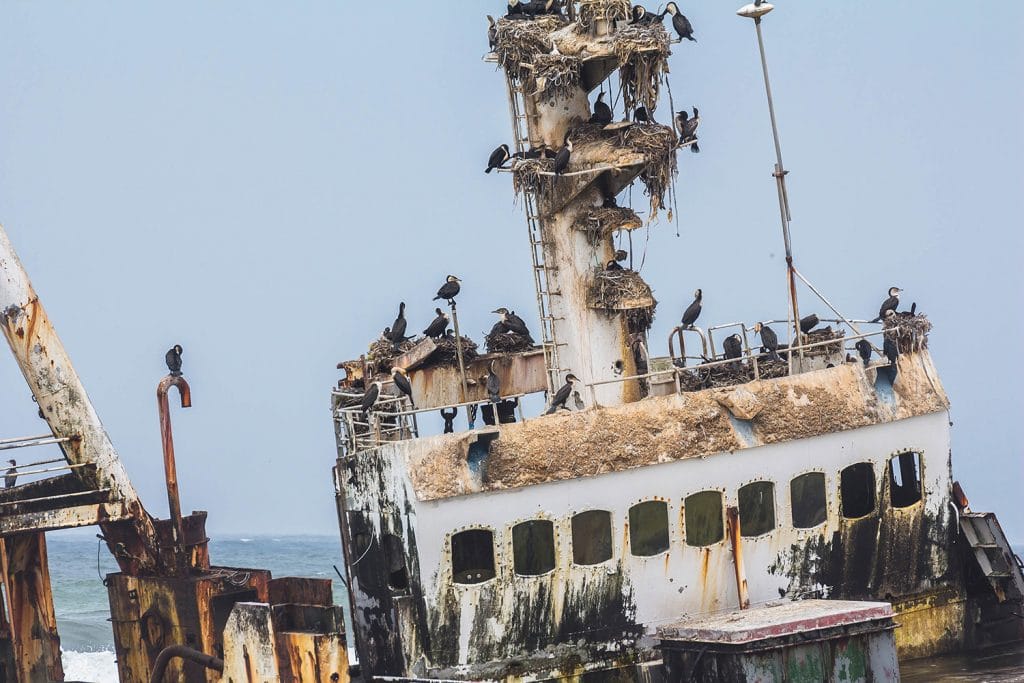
(262, 183)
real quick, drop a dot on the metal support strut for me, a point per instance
(170, 468)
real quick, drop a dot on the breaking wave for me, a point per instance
(94, 667)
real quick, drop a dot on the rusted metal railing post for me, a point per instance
(458, 353)
(732, 520)
(170, 468)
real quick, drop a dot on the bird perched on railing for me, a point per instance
(370, 397)
(688, 128)
(497, 159)
(769, 340)
(692, 311)
(397, 333)
(437, 326)
(11, 477)
(562, 395)
(562, 158)
(863, 350)
(493, 384)
(401, 380)
(682, 25)
(173, 360)
(602, 115)
(449, 290)
(890, 304)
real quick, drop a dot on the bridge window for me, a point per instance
(648, 528)
(757, 508)
(905, 479)
(533, 547)
(807, 498)
(704, 525)
(473, 556)
(592, 537)
(394, 558)
(857, 490)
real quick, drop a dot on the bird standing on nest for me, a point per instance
(513, 323)
(640, 115)
(641, 17)
(733, 346)
(769, 340)
(173, 360)
(602, 115)
(680, 23)
(692, 311)
(397, 334)
(890, 304)
(498, 157)
(808, 323)
(562, 395)
(688, 128)
(449, 290)
(437, 326)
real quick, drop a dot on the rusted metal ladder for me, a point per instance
(541, 271)
(995, 558)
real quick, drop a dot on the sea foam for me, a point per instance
(94, 667)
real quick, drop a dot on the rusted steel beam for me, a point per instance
(170, 467)
(65, 406)
(732, 520)
(33, 624)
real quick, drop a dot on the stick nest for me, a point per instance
(600, 223)
(506, 342)
(643, 57)
(589, 12)
(617, 290)
(526, 176)
(520, 41)
(446, 353)
(382, 353)
(658, 144)
(822, 335)
(555, 75)
(912, 331)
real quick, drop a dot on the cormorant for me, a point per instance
(173, 360)
(863, 350)
(769, 340)
(497, 158)
(578, 400)
(513, 323)
(913, 308)
(640, 115)
(613, 265)
(562, 395)
(889, 304)
(517, 10)
(892, 353)
(492, 33)
(448, 415)
(11, 478)
(437, 326)
(733, 346)
(680, 23)
(562, 158)
(642, 17)
(808, 323)
(692, 311)
(602, 115)
(397, 335)
(449, 290)
(542, 152)
(493, 384)
(370, 397)
(401, 380)
(688, 128)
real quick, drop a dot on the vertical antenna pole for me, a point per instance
(458, 352)
(780, 182)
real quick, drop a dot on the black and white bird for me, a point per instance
(517, 10)
(680, 23)
(11, 477)
(692, 311)
(401, 380)
(493, 384)
(513, 323)
(892, 354)
(733, 346)
(492, 33)
(498, 157)
(562, 158)
(688, 128)
(562, 395)
(642, 17)
(863, 347)
(640, 115)
(173, 360)
(437, 326)
(370, 397)
(613, 265)
(397, 334)
(602, 115)
(808, 323)
(449, 290)
(769, 340)
(889, 304)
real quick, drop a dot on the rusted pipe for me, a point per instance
(732, 520)
(170, 468)
(182, 652)
(458, 352)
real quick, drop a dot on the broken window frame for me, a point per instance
(633, 532)
(721, 518)
(890, 475)
(607, 515)
(537, 522)
(494, 555)
(824, 494)
(758, 483)
(394, 551)
(874, 491)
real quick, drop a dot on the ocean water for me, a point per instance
(76, 570)
(80, 599)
